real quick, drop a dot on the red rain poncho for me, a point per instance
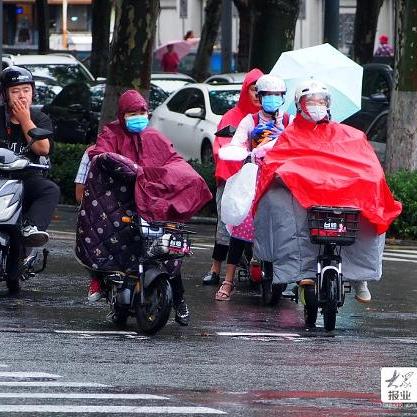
(330, 164)
(225, 169)
(167, 187)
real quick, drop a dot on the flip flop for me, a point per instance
(221, 294)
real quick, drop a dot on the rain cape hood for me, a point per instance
(225, 169)
(167, 187)
(330, 164)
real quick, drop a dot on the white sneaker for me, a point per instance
(362, 293)
(34, 237)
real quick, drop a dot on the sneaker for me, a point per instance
(362, 293)
(211, 278)
(95, 292)
(182, 314)
(33, 237)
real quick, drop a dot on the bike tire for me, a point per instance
(311, 306)
(271, 293)
(330, 307)
(120, 314)
(154, 314)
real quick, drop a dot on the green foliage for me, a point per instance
(65, 161)
(403, 184)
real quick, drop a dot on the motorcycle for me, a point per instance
(147, 295)
(17, 262)
(258, 273)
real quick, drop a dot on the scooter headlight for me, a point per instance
(6, 210)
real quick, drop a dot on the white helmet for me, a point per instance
(311, 87)
(270, 83)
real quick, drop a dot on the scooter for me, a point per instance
(147, 295)
(15, 263)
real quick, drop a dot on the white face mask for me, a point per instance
(317, 112)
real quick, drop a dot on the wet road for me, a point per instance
(60, 356)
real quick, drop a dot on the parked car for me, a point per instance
(170, 82)
(75, 111)
(189, 117)
(376, 95)
(226, 78)
(372, 118)
(215, 66)
(63, 68)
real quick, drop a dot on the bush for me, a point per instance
(403, 184)
(66, 160)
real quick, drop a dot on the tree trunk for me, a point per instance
(273, 31)
(366, 20)
(42, 13)
(130, 58)
(212, 16)
(244, 34)
(402, 120)
(101, 10)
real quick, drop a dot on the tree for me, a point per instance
(42, 13)
(366, 20)
(101, 10)
(402, 120)
(212, 16)
(130, 58)
(272, 31)
(242, 7)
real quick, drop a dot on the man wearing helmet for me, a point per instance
(41, 195)
(321, 162)
(257, 132)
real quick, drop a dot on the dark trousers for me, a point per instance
(40, 197)
(236, 249)
(220, 252)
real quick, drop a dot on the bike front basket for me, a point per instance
(333, 225)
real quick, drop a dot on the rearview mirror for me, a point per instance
(226, 132)
(195, 113)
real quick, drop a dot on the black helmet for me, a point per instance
(12, 76)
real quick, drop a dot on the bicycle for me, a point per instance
(331, 228)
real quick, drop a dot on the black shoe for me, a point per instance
(182, 315)
(211, 278)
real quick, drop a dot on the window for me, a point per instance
(63, 73)
(179, 100)
(223, 100)
(195, 100)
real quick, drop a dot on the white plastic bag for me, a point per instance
(238, 195)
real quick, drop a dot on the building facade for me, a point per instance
(70, 23)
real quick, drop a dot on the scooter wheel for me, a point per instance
(154, 313)
(120, 315)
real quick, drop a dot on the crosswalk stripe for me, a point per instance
(259, 334)
(400, 250)
(64, 395)
(94, 332)
(385, 258)
(400, 255)
(51, 384)
(28, 375)
(74, 409)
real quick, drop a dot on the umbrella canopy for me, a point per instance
(342, 76)
(182, 48)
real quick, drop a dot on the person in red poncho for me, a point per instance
(167, 187)
(248, 103)
(320, 162)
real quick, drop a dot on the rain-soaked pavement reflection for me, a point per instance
(236, 357)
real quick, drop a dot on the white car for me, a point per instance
(189, 117)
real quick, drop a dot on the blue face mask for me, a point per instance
(135, 124)
(272, 103)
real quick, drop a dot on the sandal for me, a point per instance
(222, 294)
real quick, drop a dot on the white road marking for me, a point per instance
(3, 365)
(399, 259)
(51, 384)
(81, 396)
(28, 375)
(94, 332)
(401, 255)
(401, 250)
(259, 334)
(74, 409)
